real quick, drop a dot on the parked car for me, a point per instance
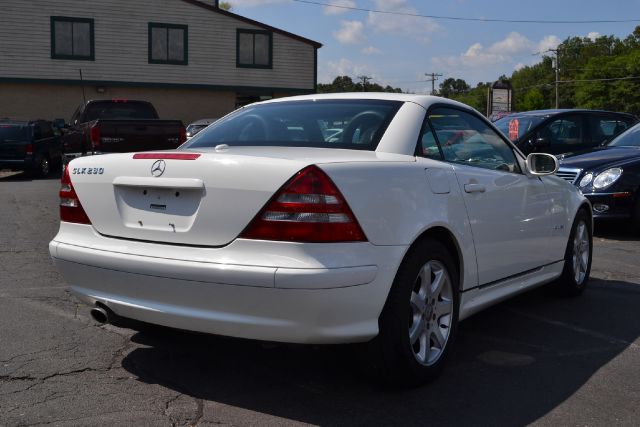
(31, 146)
(609, 177)
(563, 131)
(197, 126)
(264, 227)
(119, 126)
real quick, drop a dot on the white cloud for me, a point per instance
(408, 26)
(328, 10)
(371, 50)
(350, 32)
(548, 42)
(514, 43)
(519, 66)
(344, 67)
(512, 47)
(593, 35)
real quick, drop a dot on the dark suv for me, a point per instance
(563, 131)
(31, 146)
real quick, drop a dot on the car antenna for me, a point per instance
(84, 98)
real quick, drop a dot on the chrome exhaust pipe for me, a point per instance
(101, 314)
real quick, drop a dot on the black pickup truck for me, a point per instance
(119, 126)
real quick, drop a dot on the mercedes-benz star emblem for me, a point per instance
(157, 169)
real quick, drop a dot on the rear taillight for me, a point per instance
(70, 208)
(94, 135)
(308, 208)
(183, 135)
(28, 149)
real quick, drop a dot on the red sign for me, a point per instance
(514, 125)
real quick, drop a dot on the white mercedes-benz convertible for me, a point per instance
(345, 218)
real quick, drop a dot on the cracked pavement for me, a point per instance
(534, 360)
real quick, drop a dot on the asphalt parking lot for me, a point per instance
(536, 359)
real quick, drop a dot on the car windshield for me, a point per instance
(13, 132)
(630, 138)
(351, 124)
(514, 126)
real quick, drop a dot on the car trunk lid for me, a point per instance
(203, 198)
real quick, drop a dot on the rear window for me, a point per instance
(13, 133)
(120, 111)
(351, 124)
(514, 127)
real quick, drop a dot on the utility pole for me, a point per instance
(432, 77)
(364, 80)
(556, 66)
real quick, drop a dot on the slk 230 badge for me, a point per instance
(87, 171)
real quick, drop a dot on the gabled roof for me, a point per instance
(252, 22)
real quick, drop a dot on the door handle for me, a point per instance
(474, 188)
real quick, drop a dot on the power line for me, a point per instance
(458, 18)
(613, 79)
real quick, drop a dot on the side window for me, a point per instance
(564, 134)
(168, 44)
(72, 38)
(466, 139)
(47, 130)
(37, 131)
(604, 128)
(254, 48)
(428, 145)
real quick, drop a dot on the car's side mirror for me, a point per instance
(541, 164)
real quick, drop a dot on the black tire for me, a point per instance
(573, 282)
(43, 166)
(635, 215)
(392, 353)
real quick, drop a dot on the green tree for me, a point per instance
(451, 87)
(533, 100)
(346, 84)
(477, 97)
(598, 74)
(539, 76)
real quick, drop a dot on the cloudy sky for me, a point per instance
(399, 49)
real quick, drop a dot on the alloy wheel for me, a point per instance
(431, 312)
(581, 252)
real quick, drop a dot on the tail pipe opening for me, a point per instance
(102, 314)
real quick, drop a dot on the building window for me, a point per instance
(254, 49)
(168, 44)
(72, 38)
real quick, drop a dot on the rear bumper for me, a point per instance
(21, 164)
(304, 293)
